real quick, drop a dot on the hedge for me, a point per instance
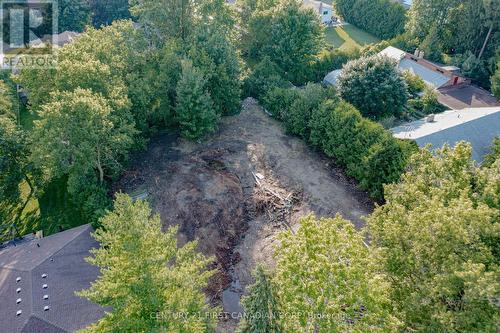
(369, 153)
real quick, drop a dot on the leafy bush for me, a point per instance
(374, 86)
(298, 116)
(369, 152)
(265, 76)
(278, 101)
(430, 102)
(414, 82)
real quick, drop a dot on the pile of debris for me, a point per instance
(274, 201)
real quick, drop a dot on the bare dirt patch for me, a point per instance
(210, 190)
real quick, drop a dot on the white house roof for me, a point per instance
(479, 126)
(393, 53)
(429, 76)
(332, 77)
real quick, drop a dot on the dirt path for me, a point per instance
(208, 189)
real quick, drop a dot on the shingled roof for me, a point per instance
(38, 280)
(479, 126)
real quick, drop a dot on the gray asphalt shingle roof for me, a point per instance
(57, 263)
(479, 126)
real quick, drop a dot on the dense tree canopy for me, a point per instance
(16, 168)
(261, 306)
(150, 283)
(438, 241)
(78, 133)
(74, 15)
(327, 281)
(104, 12)
(290, 35)
(373, 85)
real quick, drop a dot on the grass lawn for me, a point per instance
(348, 37)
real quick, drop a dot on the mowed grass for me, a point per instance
(348, 37)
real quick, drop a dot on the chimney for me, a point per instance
(422, 53)
(417, 52)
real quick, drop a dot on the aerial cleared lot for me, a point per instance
(231, 192)
(348, 37)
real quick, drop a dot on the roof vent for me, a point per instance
(44, 276)
(45, 296)
(18, 313)
(46, 308)
(18, 279)
(45, 286)
(18, 290)
(18, 301)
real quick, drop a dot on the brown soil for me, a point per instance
(209, 190)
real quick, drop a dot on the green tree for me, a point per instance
(430, 102)
(104, 12)
(74, 15)
(7, 101)
(261, 306)
(494, 153)
(326, 275)
(495, 81)
(166, 19)
(255, 18)
(195, 111)
(296, 37)
(16, 169)
(78, 133)
(212, 51)
(265, 76)
(414, 82)
(374, 86)
(150, 284)
(437, 237)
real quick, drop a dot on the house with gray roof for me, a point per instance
(38, 281)
(479, 126)
(453, 90)
(324, 10)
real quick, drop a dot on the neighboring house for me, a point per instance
(324, 10)
(434, 75)
(61, 39)
(406, 3)
(454, 91)
(38, 281)
(479, 126)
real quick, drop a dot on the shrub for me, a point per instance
(430, 102)
(384, 164)
(341, 131)
(369, 152)
(414, 82)
(374, 86)
(298, 116)
(265, 76)
(278, 101)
